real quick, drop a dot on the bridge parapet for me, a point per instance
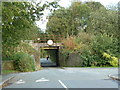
(45, 38)
(46, 45)
(43, 45)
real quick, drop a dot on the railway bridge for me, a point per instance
(49, 43)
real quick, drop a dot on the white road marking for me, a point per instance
(62, 84)
(42, 80)
(20, 81)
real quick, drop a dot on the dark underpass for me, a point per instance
(49, 58)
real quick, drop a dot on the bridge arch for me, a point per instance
(53, 53)
(41, 43)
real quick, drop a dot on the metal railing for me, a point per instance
(45, 38)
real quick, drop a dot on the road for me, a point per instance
(65, 78)
(47, 63)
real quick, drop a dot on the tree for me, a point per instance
(68, 21)
(94, 6)
(18, 23)
(62, 19)
(103, 21)
(94, 28)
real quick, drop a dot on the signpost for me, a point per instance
(50, 42)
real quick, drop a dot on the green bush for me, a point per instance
(105, 43)
(114, 62)
(91, 47)
(24, 62)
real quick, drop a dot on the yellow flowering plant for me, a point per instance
(113, 60)
(106, 55)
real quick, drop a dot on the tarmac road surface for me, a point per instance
(65, 78)
(47, 63)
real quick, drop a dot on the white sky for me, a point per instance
(66, 3)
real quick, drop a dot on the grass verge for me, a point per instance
(9, 72)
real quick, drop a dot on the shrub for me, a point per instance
(93, 48)
(85, 38)
(102, 45)
(114, 61)
(106, 55)
(70, 43)
(24, 62)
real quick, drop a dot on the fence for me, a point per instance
(45, 38)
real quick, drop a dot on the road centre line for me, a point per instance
(62, 84)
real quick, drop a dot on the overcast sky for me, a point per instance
(67, 3)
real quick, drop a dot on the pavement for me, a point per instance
(4, 79)
(65, 78)
(115, 76)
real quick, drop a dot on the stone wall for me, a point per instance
(70, 60)
(74, 59)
